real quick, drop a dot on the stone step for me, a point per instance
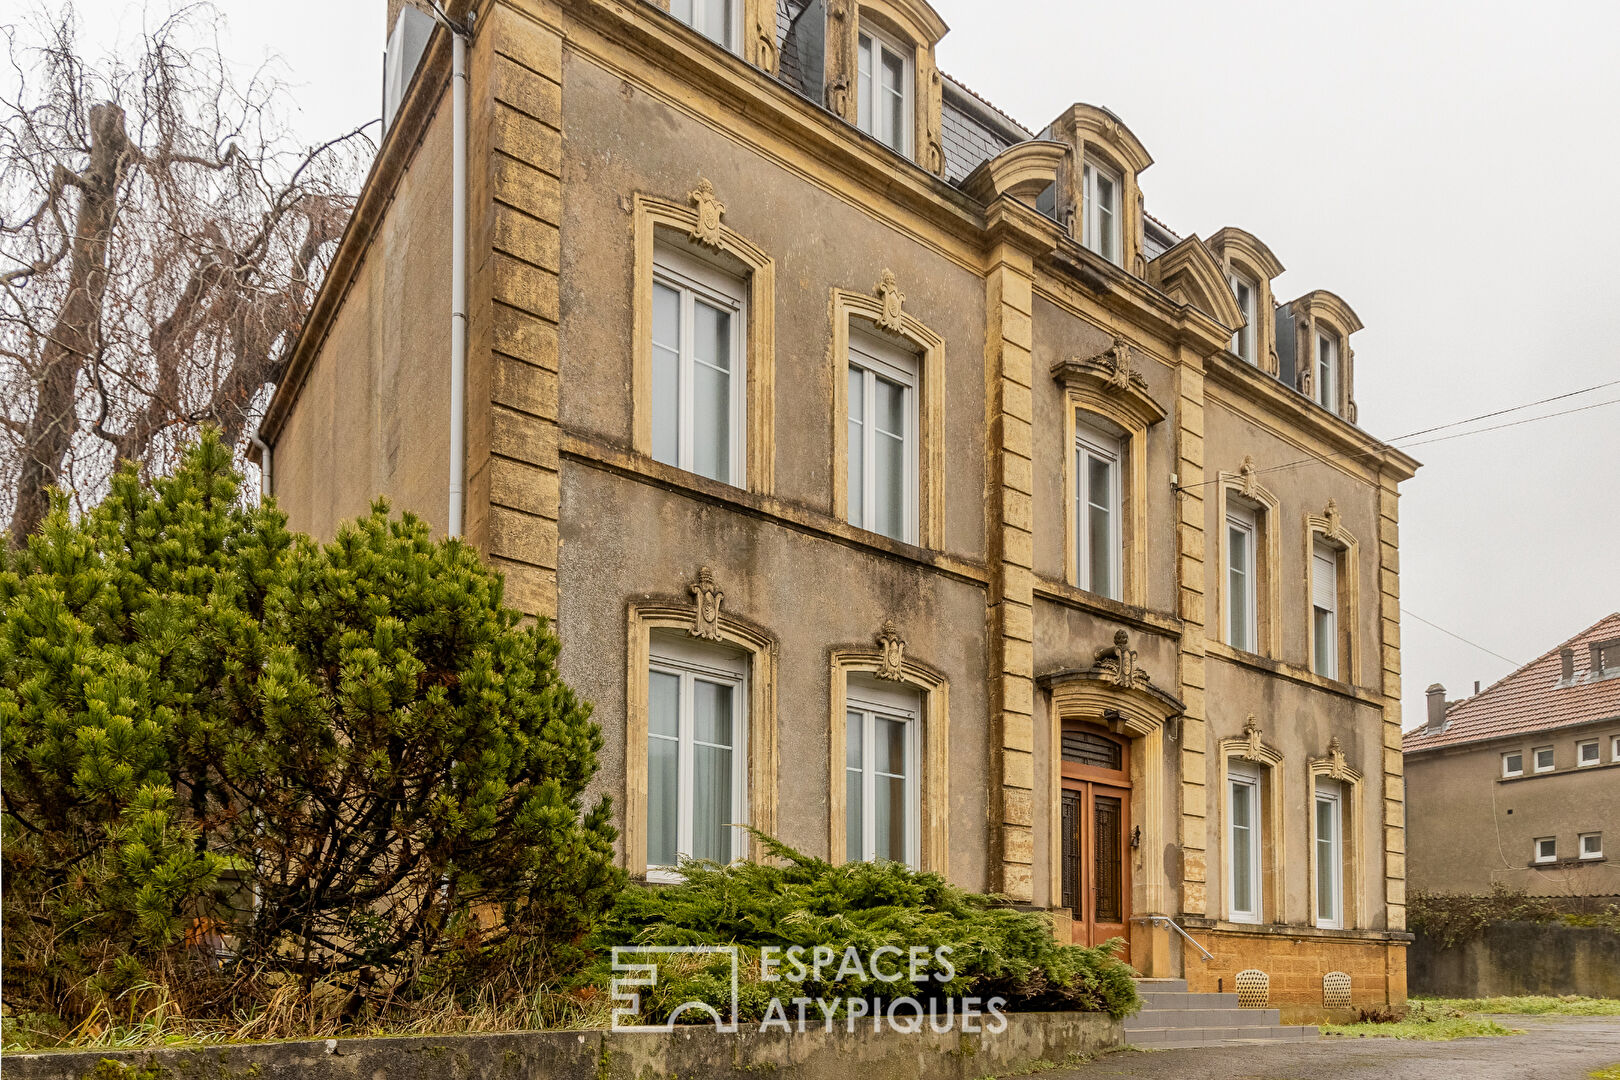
(1202, 1019)
(1178, 986)
(1180, 999)
(1171, 1038)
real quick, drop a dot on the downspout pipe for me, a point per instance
(266, 486)
(458, 267)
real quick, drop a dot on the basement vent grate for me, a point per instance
(1254, 989)
(1335, 990)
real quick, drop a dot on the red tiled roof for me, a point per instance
(1530, 699)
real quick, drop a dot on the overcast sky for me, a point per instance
(1449, 168)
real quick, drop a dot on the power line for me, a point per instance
(1459, 637)
(1371, 451)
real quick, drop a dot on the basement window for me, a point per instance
(1592, 845)
(1586, 753)
(1546, 849)
(1544, 759)
(1512, 765)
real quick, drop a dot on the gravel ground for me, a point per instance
(1552, 1048)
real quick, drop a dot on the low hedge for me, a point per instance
(995, 950)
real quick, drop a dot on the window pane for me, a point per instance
(863, 89)
(1099, 524)
(889, 746)
(854, 740)
(711, 392)
(889, 838)
(711, 803)
(889, 459)
(663, 793)
(717, 20)
(1242, 848)
(666, 365)
(1326, 858)
(1326, 646)
(682, 10)
(857, 446)
(894, 100)
(1237, 546)
(1105, 216)
(664, 695)
(854, 819)
(711, 720)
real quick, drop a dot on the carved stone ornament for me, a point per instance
(707, 229)
(765, 44)
(1117, 663)
(892, 663)
(1335, 526)
(1336, 767)
(1115, 366)
(1246, 472)
(890, 297)
(1251, 736)
(706, 596)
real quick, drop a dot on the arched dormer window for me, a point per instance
(881, 77)
(1250, 266)
(1100, 187)
(744, 27)
(1313, 347)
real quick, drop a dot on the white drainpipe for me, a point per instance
(458, 266)
(266, 487)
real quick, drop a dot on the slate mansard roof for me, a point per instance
(1536, 697)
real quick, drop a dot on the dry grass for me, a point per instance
(1428, 1021)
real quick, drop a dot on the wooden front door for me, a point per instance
(1096, 824)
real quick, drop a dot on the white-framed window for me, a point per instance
(1241, 575)
(1102, 193)
(1587, 753)
(882, 796)
(1592, 845)
(1325, 610)
(883, 97)
(697, 760)
(1546, 849)
(1243, 341)
(883, 447)
(1329, 844)
(1327, 370)
(1244, 901)
(1544, 758)
(1513, 764)
(1614, 749)
(716, 20)
(699, 382)
(1098, 459)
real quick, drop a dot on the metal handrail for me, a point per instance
(1172, 924)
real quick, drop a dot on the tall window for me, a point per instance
(883, 98)
(1243, 842)
(882, 797)
(1324, 610)
(1102, 187)
(714, 19)
(1097, 461)
(882, 438)
(1329, 854)
(697, 785)
(1243, 340)
(1327, 371)
(1240, 578)
(698, 383)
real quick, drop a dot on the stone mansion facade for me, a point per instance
(896, 485)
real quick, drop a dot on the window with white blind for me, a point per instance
(1101, 193)
(1243, 894)
(1543, 756)
(697, 781)
(882, 796)
(1327, 371)
(699, 386)
(715, 19)
(1325, 610)
(1328, 842)
(883, 440)
(883, 96)
(1587, 754)
(1241, 575)
(1098, 458)
(1243, 342)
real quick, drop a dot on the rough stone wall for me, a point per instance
(1515, 958)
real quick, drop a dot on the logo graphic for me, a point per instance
(640, 964)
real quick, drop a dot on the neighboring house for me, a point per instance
(1519, 785)
(896, 484)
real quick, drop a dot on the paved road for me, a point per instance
(1552, 1048)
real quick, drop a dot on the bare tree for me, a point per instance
(161, 240)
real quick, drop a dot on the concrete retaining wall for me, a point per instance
(598, 1055)
(1513, 958)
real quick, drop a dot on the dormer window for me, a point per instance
(883, 94)
(1101, 194)
(1243, 342)
(1327, 370)
(714, 19)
